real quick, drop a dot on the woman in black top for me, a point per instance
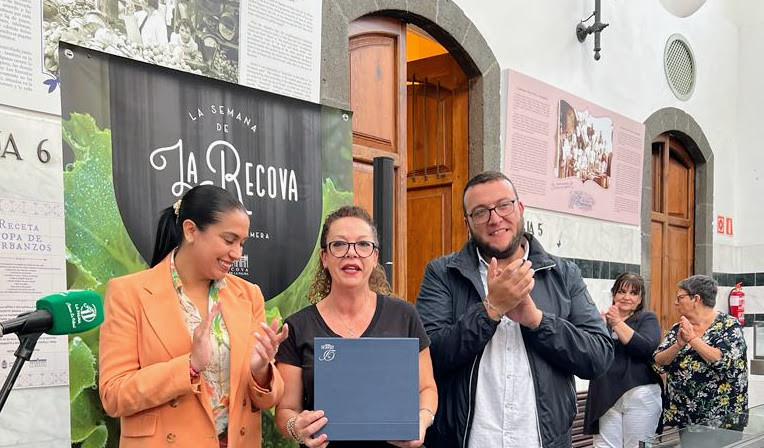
(624, 405)
(350, 300)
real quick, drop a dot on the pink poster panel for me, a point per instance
(566, 154)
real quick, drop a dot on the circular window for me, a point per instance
(679, 65)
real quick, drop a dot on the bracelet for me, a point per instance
(292, 431)
(432, 415)
(493, 308)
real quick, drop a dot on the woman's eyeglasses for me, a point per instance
(341, 248)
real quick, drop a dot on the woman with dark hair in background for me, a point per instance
(704, 358)
(624, 406)
(185, 353)
(350, 297)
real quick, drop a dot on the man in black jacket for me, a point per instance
(510, 325)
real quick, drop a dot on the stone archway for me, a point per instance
(444, 21)
(684, 128)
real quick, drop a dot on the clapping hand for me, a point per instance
(201, 347)
(265, 349)
(613, 316)
(686, 331)
(508, 287)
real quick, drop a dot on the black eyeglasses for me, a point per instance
(341, 248)
(482, 215)
(678, 297)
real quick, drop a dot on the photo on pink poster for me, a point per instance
(569, 155)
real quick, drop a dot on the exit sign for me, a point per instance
(724, 225)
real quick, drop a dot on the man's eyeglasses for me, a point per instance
(341, 248)
(678, 297)
(482, 215)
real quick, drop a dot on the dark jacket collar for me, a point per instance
(537, 255)
(466, 261)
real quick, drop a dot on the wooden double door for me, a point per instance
(673, 225)
(414, 111)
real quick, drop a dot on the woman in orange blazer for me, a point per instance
(186, 357)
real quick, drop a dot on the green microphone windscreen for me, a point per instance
(73, 311)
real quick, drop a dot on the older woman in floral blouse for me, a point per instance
(704, 357)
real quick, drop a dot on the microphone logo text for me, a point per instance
(79, 313)
(88, 313)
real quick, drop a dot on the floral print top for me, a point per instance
(217, 375)
(703, 392)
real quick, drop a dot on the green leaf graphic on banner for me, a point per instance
(85, 417)
(272, 313)
(83, 373)
(77, 277)
(96, 239)
(272, 438)
(97, 249)
(97, 439)
(83, 429)
(90, 338)
(87, 424)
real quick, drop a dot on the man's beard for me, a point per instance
(489, 252)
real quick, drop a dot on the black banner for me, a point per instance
(172, 130)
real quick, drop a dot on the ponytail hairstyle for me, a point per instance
(322, 280)
(203, 205)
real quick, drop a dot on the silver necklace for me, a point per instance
(349, 328)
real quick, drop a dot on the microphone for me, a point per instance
(60, 313)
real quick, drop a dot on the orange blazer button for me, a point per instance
(174, 403)
(243, 431)
(171, 437)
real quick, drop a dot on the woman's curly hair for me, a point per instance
(322, 280)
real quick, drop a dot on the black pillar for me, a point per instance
(384, 180)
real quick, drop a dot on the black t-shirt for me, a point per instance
(393, 318)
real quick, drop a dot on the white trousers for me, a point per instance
(632, 418)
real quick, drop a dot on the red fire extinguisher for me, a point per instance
(737, 302)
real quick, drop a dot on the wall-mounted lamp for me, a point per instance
(682, 8)
(582, 30)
